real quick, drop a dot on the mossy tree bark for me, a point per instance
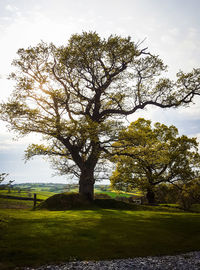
(86, 184)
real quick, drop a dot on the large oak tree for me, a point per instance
(75, 95)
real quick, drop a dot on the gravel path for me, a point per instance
(188, 261)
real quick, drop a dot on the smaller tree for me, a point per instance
(9, 185)
(147, 156)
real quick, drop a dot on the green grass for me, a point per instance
(31, 238)
(40, 237)
(15, 204)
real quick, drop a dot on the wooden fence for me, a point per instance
(34, 199)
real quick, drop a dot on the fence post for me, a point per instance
(34, 200)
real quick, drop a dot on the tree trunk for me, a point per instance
(86, 184)
(150, 196)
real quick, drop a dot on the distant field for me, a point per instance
(44, 192)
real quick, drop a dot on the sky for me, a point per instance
(170, 29)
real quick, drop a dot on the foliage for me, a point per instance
(73, 96)
(167, 193)
(190, 194)
(147, 156)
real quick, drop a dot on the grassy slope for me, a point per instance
(39, 237)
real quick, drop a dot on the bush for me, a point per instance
(64, 201)
(122, 199)
(113, 204)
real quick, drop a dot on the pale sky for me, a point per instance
(170, 28)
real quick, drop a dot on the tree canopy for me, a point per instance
(76, 96)
(147, 156)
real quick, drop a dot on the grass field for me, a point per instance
(31, 238)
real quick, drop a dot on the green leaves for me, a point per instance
(148, 155)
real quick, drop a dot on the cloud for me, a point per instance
(181, 48)
(9, 141)
(187, 120)
(36, 170)
(11, 8)
(191, 112)
(197, 135)
(12, 162)
(6, 86)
